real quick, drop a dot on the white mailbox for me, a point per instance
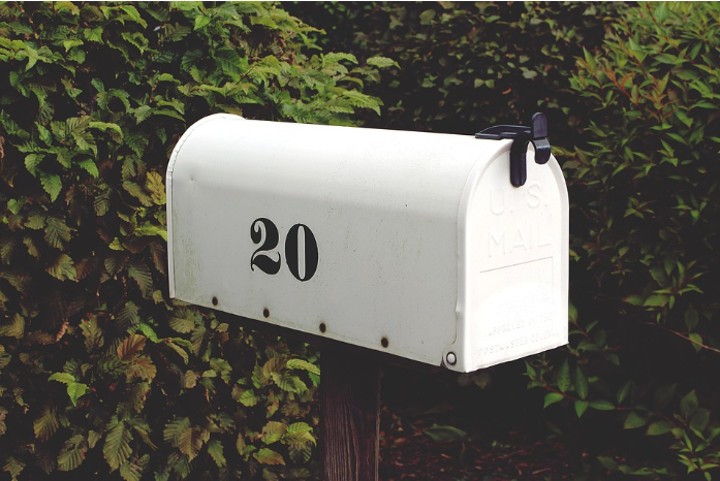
(415, 244)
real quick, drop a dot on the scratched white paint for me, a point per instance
(421, 239)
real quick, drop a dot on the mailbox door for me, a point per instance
(515, 244)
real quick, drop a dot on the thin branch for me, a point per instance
(683, 336)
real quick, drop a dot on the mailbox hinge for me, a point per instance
(521, 135)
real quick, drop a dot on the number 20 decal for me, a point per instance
(301, 251)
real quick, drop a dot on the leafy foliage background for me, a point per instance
(99, 372)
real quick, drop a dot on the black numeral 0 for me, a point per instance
(264, 232)
(301, 249)
(301, 252)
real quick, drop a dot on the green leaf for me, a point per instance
(700, 419)
(634, 421)
(62, 268)
(56, 232)
(75, 391)
(623, 391)
(602, 405)
(289, 383)
(668, 59)
(221, 367)
(116, 449)
(552, 398)
(696, 340)
(149, 230)
(273, 431)
(52, 184)
(14, 206)
(131, 470)
(656, 300)
(70, 43)
(182, 352)
(427, 16)
(183, 320)
(580, 407)
(684, 118)
(90, 167)
(248, 398)
(114, 129)
(658, 428)
(73, 453)
(16, 327)
(608, 463)
(128, 316)
(201, 21)
(563, 377)
(187, 439)
(268, 457)
(32, 161)
(5, 359)
(215, 450)
(300, 441)
(93, 334)
(138, 192)
(3, 416)
(303, 365)
(62, 377)
(14, 467)
(382, 62)
(155, 185)
(93, 34)
(140, 273)
(445, 433)
(134, 15)
(581, 383)
(148, 332)
(46, 424)
(174, 430)
(137, 40)
(361, 100)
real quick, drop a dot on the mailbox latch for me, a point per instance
(537, 133)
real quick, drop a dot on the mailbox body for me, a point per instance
(411, 243)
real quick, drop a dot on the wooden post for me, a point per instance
(349, 415)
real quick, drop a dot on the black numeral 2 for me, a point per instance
(264, 232)
(301, 250)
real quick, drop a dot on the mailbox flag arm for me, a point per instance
(521, 135)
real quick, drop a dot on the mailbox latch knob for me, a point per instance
(537, 133)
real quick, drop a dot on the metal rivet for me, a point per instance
(323, 327)
(451, 358)
(214, 301)
(266, 313)
(384, 342)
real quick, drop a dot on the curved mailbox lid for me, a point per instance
(371, 230)
(514, 244)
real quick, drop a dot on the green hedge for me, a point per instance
(464, 66)
(99, 372)
(645, 185)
